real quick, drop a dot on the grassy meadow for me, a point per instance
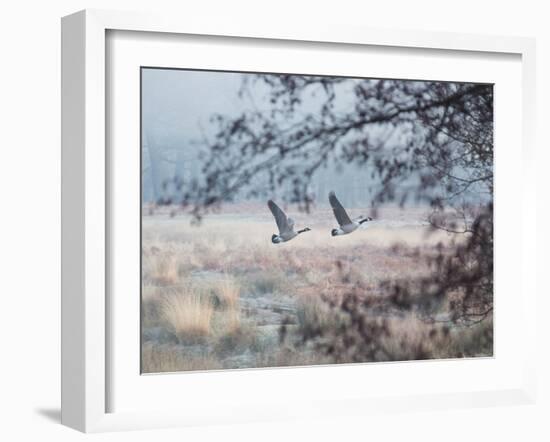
(216, 295)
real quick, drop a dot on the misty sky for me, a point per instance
(176, 103)
(177, 106)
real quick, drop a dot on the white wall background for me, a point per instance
(30, 215)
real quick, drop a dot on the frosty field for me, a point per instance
(220, 295)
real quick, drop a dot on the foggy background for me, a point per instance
(178, 109)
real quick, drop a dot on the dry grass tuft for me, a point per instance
(314, 313)
(163, 269)
(232, 321)
(227, 292)
(189, 315)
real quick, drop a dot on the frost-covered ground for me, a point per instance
(215, 295)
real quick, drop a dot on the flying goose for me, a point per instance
(346, 224)
(285, 225)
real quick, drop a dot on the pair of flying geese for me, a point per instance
(286, 224)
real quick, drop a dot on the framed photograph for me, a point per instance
(262, 223)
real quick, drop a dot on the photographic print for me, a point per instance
(291, 220)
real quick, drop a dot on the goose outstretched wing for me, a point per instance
(339, 211)
(280, 218)
(290, 223)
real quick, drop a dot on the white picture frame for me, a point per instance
(85, 203)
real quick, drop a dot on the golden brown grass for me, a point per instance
(188, 314)
(227, 291)
(162, 269)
